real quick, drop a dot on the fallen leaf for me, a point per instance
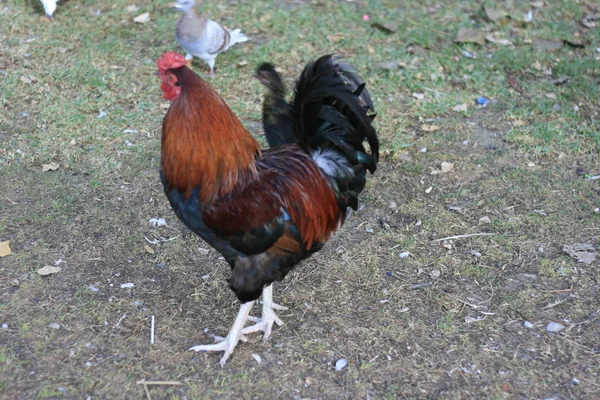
(501, 42)
(388, 65)
(336, 37)
(142, 18)
(560, 80)
(370, 49)
(536, 65)
(242, 63)
(50, 167)
(415, 49)
(470, 320)
(537, 4)
(265, 18)
(460, 107)
(587, 23)
(419, 96)
(576, 42)
(5, 248)
(48, 270)
(447, 167)
(551, 96)
(582, 252)
(468, 35)
(485, 220)
(387, 27)
(429, 189)
(547, 44)
(148, 249)
(513, 83)
(430, 128)
(131, 8)
(494, 14)
(519, 122)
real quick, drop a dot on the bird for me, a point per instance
(277, 112)
(202, 37)
(49, 7)
(264, 210)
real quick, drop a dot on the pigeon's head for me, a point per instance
(184, 5)
(267, 74)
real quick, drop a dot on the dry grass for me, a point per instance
(446, 322)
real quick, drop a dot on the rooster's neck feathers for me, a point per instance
(204, 145)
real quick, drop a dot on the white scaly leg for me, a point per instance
(265, 323)
(233, 337)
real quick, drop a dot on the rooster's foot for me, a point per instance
(268, 318)
(228, 344)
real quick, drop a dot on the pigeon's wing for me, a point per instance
(215, 37)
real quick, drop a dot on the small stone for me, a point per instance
(485, 220)
(257, 358)
(369, 230)
(404, 254)
(482, 101)
(556, 107)
(93, 288)
(4, 326)
(205, 277)
(575, 381)
(554, 327)
(528, 324)
(54, 325)
(341, 364)
(128, 285)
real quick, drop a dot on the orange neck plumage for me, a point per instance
(203, 143)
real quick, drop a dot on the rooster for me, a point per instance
(264, 210)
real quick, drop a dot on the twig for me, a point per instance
(11, 202)
(555, 304)
(464, 302)
(152, 329)
(159, 383)
(589, 350)
(147, 392)
(162, 239)
(556, 290)
(464, 236)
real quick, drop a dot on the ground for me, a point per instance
(415, 314)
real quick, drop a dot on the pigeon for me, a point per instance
(201, 37)
(49, 6)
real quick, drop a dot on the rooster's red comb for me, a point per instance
(170, 60)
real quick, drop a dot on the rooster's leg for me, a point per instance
(265, 323)
(233, 337)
